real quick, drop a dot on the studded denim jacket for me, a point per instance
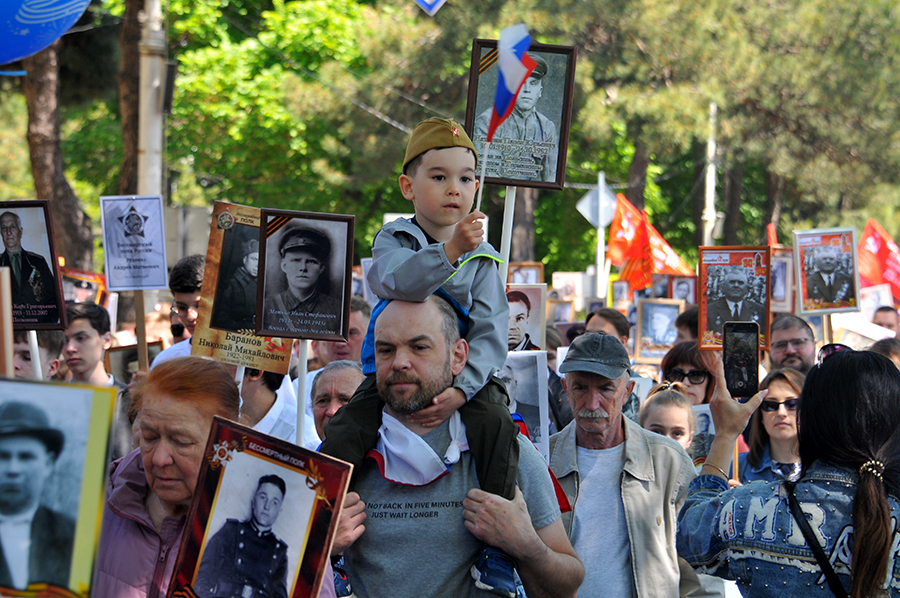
(747, 533)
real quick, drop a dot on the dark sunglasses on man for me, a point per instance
(694, 376)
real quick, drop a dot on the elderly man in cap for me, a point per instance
(238, 303)
(528, 137)
(36, 542)
(615, 472)
(302, 307)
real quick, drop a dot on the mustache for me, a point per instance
(593, 414)
(401, 378)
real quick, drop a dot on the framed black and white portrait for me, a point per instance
(734, 287)
(656, 330)
(529, 148)
(305, 261)
(683, 288)
(527, 316)
(58, 434)
(827, 276)
(526, 273)
(525, 376)
(29, 251)
(263, 517)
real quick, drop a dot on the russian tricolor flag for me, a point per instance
(515, 67)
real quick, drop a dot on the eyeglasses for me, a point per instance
(694, 376)
(182, 310)
(770, 406)
(829, 350)
(795, 343)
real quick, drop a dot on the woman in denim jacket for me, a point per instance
(850, 454)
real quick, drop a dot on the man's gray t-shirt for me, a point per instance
(416, 543)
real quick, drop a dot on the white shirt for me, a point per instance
(280, 421)
(15, 536)
(311, 438)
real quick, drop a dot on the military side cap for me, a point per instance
(596, 353)
(23, 419)
(436, 133)
(305, 239)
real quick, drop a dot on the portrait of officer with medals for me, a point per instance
(244, 559)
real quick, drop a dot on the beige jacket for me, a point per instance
(654, 484)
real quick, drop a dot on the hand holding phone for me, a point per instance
(741, 358)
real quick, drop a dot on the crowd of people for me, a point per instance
(448, 497)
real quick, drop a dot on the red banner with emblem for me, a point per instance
(623, 230)
(878, 258)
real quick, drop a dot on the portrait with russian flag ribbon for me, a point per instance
(519, 109)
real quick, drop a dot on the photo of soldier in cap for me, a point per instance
(245, 559)
(526, 145)
(306, 277)
(234, 307)
(35, 541)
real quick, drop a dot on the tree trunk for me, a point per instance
(734, 189)
(129, 94)
(72, 227)
(774, 197)
(522, 246)
(637, 176)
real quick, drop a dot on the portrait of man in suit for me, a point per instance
(736, 304)
(33, 283)
(827, 282)
(36, 541)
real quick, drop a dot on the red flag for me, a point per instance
(878, 258)
(638, 270)
(622, 232)
(771, 235)
(665, 260)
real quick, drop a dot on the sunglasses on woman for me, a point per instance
(694, 376)
(770, 406)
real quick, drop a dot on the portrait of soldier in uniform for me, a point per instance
(737, 302)
(235, 305)
(527, 142)
(304, 306)
(32, 280)
(244, 559)
(35, 541)
(827, 281)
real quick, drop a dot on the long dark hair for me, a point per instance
(850, 415)
(759, 438)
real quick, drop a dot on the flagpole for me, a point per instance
(509, 209)
(487, 147)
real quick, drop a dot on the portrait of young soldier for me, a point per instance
(305, 305)
(244, 559)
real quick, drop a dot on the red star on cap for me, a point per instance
(455, 131)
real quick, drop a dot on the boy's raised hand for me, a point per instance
(469, 233)
(444, 405)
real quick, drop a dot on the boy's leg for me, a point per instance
(353, 430)
(492, 434)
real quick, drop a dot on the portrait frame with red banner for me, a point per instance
(827, 274)
(734, 287)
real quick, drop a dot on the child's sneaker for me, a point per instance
(341, 583)
(494, 572)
